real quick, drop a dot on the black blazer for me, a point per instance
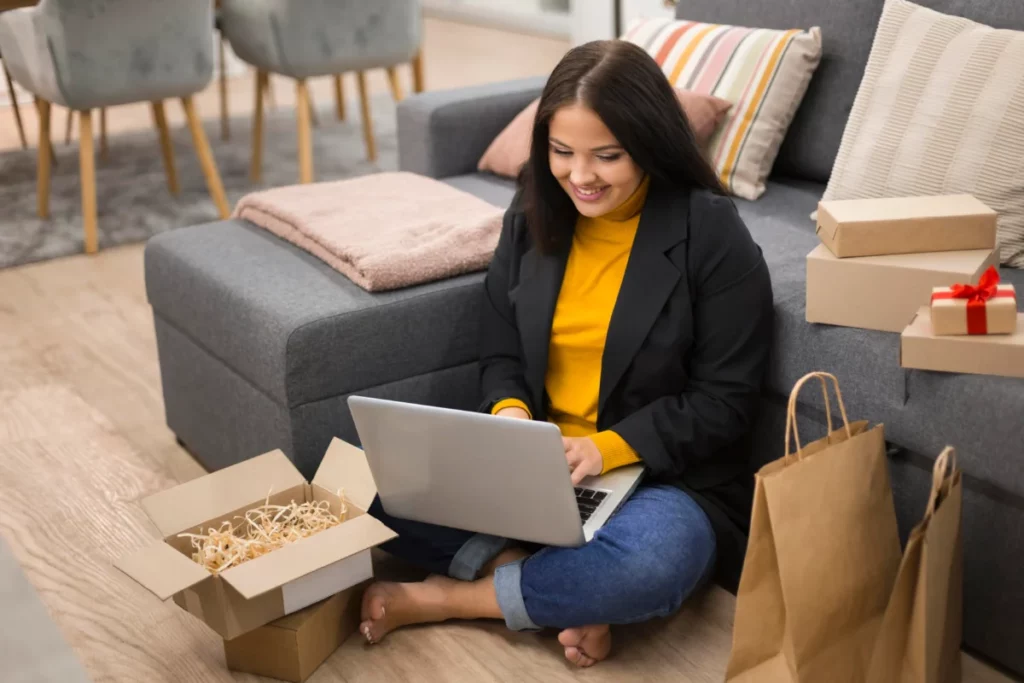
(685, 354)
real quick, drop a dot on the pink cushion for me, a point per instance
(510, 150)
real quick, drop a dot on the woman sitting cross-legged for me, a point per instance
(628, 304)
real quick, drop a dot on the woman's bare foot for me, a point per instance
(586, 645)
(387, 606)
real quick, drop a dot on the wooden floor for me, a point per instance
(82, 439)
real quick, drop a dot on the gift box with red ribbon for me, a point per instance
(985, 308)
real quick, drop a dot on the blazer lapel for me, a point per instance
(540, 280)
(647, 284)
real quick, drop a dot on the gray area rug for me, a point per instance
(32, 649)
(133, 201)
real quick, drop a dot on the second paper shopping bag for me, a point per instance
(919, 641)
(822, 556)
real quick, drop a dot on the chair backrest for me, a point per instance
(305, 38)
(848, 30)
(108, 52)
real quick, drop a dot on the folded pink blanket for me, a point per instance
(383, 231)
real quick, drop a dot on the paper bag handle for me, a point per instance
(791, 409)
(942, 478)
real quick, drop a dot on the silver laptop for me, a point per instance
(483, 473)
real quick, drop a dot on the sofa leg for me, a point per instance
(364, 103)
(302, 113)
(202, 145)
(87, 169)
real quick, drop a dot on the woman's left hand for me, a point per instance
(583, 456)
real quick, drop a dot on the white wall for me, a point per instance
(594, 19)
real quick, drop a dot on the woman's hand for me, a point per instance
(583, 456)
(515, 412)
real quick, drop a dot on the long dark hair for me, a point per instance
(626, 88)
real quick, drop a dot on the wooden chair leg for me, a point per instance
(339, 97)
(45, 153)
(269, 88)
(87, 169)
(303, 113)
(417, 72)
(166, 148)
(202, 145)
(364, 103)
(225, 126)
(103, 133)
(312, 109)
(17, 109)
(67, 126)
(256, 163)
(396, 86)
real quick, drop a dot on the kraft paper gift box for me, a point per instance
(987, 308)
(884, 292)
(243, 598)
(987, 354)
(905, 225)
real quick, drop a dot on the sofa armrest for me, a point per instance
(444, 133)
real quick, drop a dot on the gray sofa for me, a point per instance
(260, 344)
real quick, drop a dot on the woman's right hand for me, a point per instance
(514, 412)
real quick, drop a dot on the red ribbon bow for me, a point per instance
(988, 285)
(976, 295)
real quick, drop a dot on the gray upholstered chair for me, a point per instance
(303, 39)
(91, 54)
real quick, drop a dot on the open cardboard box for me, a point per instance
(293, 647)
(245, 597)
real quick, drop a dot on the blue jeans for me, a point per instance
(643, 563)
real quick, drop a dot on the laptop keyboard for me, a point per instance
(588, 500)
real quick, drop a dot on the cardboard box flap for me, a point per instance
(295, 560)
(162, 570)
(187, 505)
(344, 467)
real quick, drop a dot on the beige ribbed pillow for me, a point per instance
(940, 110)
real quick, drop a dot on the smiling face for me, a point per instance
(588, 162)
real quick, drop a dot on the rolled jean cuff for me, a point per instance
(508, 587)
(474, 554)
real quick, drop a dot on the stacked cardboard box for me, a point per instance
(881, 260)
(283, 613)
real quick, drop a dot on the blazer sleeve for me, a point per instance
(733, 316)
(501, 366)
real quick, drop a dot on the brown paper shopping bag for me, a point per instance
(919, 641)
(821, 560)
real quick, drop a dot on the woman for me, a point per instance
(627, 303)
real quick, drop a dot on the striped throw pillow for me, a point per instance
(940, 110)
(763, 72)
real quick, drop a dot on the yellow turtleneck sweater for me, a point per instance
(590, 287)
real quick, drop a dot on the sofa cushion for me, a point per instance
(293, 326)
(848, 29)
(491, 188)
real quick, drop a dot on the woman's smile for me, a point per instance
(589, 194)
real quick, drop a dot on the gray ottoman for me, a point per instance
(260, 343)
